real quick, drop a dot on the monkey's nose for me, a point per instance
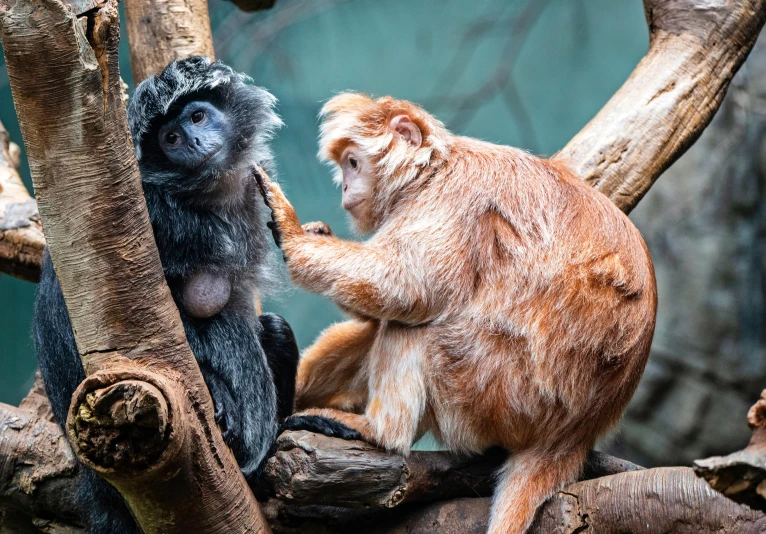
(345, 187)
(196, 140)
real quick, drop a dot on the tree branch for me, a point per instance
(309, 468)
(159, 32)
(695, 49)
(65, 80)
(21, 234)
(741, 476)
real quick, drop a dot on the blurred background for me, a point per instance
(528, 73)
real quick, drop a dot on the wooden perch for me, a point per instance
(37, 485)
(695, 48)
(176, 473)
(312, 469)
(652, 501)
(741, 476)
(21, 234)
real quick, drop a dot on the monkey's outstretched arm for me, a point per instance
(357, 276)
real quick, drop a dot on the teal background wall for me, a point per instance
(566, 58)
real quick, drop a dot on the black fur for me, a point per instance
(200, 222)
(320, 425)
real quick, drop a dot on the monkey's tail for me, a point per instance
(526, 481)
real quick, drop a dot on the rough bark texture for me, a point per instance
(312, 469)
(37, 467)
(654, 501)
(21, 234)
(741, 476)
(66, 86)
(705, 225)
(160, 31)
(37, 471)
(695, 49)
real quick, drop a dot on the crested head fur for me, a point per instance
(159, 96)
(355, 118)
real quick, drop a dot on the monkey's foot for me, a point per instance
(317, 228)
(320, 425)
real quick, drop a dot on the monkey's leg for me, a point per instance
(228, 349)
(527, 480)
(397, 390)
(332, 372)
(282, 354)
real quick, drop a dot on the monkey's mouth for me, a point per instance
(353, 204)
(208, 157)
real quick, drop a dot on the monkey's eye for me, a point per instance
(172, 138)
(352, 161)
(197, 116)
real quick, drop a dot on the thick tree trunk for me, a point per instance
(142, 377)
(21, 235)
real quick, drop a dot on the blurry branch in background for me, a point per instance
(257, 33)
(500, 83)
(21, 234)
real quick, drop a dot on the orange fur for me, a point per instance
(506, 303)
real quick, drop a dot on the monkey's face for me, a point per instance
(358, 187)
(196, 137)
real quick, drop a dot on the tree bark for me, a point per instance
(741, 476)
(176, 473)
(37, 483)
(695, 48)
(21, 234)
(160, 31)
(309, 468)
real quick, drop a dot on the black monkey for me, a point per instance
(198, 128)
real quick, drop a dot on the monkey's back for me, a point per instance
(553, 326)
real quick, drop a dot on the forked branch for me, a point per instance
(695, 48)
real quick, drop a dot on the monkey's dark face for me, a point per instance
(197, 137)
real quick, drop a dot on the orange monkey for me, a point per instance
(500, 301)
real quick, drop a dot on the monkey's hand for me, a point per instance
(317, 228)
(284, 222)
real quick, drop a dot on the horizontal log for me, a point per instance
(309, 468)
(651, 501)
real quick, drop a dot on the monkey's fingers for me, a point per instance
(317, 228)
(262, 180)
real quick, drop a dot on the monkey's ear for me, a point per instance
(410, 131)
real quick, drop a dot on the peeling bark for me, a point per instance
(695, 48)
(65, 81)
(21, 234)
